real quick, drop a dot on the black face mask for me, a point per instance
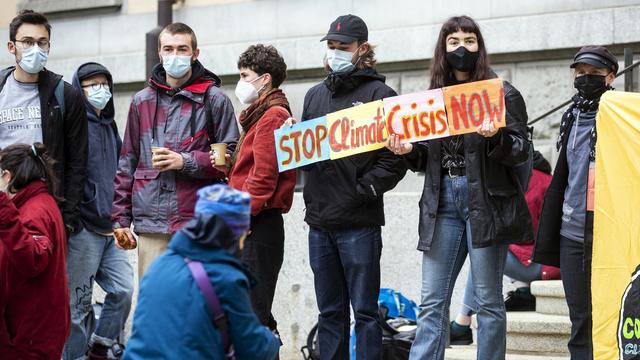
(462, 59)
(591, 86)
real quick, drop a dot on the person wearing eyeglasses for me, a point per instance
(36, 105)
(92, 253)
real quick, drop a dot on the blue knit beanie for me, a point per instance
(233, 206)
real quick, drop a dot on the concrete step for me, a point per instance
(469, 353)
(550, 297)
(532, 332)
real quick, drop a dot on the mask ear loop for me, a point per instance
(361, 56)
(263, 86)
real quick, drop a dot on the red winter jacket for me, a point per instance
(256, 167)
(37, 315)
(4, 292)
(538, 185)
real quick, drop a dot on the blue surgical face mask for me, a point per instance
(340, 61)
(99, 98)
(176, 65)
(33, 59)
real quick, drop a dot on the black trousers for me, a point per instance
(575, 268)
(262, 254)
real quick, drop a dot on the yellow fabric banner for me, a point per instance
(616, 246)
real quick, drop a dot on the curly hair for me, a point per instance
(264, 59)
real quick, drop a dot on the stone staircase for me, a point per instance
(535, 335)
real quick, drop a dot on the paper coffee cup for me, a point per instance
(155, 149)
(221, 150)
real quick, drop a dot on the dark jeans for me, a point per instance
(576, 279)
(263, 254)
(346, 269)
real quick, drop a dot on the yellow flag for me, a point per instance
(616, 246)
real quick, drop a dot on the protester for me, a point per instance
(518, 265)
(565, 237)
(470, 202)
(172, 319)
(92, 253)
(33, 233)
(344, 200)
(41, 107)
(178, 115)
(255, 170)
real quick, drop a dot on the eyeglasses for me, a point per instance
(28, 43)
(96, 86)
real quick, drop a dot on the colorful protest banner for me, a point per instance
(468, 105)
(421, 116)
(417, 117)
(356, 130)
(302, 144)
(615, 282)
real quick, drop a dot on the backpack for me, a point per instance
(397, 317)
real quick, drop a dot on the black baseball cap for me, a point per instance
(598, 56)
(347, 29)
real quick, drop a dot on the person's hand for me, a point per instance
(165, 159)
(394, 144)
(487, 129)
(124, 239)
(222, 168)
(289, 122)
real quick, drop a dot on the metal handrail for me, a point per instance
(623, 71)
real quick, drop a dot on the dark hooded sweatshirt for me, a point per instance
(349, 192)
(102, 161)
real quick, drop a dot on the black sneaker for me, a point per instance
(520, 300)
(460, 334)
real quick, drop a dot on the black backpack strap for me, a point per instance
(211, 131)
(59, 94)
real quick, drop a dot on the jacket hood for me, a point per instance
(198, 83)
(344, 82)
(87, 70)
(207, 238)
(32, 189)
(211, 231)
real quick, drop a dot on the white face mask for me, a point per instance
(176, 65)
(33, 59)
(340, 61)
(99, 98)
(246, 92)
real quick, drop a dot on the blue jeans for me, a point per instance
(440, 268)
(346, 270)
(90, 257)
(513, 268)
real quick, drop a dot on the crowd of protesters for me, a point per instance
(198, 192)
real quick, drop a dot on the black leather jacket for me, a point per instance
(498, 211)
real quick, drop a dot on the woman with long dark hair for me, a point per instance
(31, 228)
(471, 203)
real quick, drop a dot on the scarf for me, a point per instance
(251, 115)
(584, 105)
